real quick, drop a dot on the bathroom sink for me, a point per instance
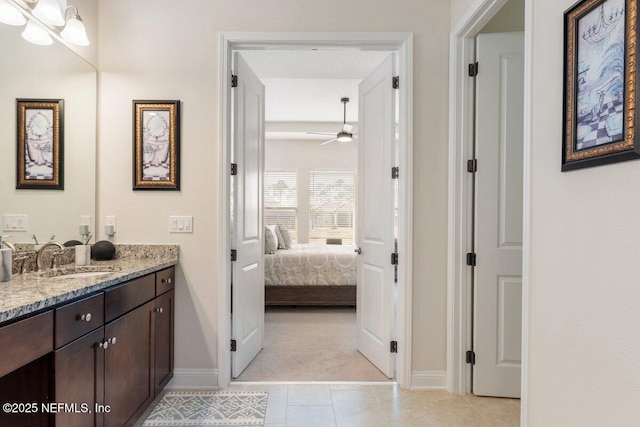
(78, 272)
(81, 274)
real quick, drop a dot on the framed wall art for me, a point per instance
(600, 93)
(156, 145)
(40, 144)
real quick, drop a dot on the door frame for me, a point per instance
(402, 43)
(460, 230)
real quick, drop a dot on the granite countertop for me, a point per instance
(32, 292)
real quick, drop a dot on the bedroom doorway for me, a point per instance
(372, 325)
(313, 186)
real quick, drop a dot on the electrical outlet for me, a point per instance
(111, 220)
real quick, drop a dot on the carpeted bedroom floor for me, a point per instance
(310, 344)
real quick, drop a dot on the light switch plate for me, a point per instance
(14, 222)
(181, 224)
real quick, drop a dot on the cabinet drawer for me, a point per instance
(165, 280)
(25, 341)
(78, 318)
(124, 298)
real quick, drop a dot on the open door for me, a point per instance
(247, 289)
(375, 272)
(498, 215)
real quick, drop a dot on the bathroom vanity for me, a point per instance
(87, 346)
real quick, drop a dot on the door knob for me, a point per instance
(358, 251)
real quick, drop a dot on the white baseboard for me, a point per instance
(193, 379)
(429, 380)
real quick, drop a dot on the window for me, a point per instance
(281, 200)
(332, 206)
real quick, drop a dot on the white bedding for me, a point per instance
(311, 265)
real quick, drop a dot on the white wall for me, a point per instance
(165, 49)
(305, 156)
(585, 320)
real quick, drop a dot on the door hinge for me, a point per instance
(396, 82)
(234, 255)
(234, 80)
(234, 169)
(472, 165)
(394, 258)
(233, 345)
(395, 172)
(473, 69)
(471, 259)
(471, 357)
(393, 348)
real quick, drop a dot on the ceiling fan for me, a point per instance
(345, 134)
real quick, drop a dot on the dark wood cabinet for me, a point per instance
(163, 360)
(79, 379)
(111, 351)
(128, 373)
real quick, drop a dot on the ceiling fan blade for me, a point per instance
(320, 133)
(347, 128)
(331, 140)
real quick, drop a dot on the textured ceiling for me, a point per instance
(313, 64)
(306, 85)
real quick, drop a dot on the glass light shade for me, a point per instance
(49, 12)
(74, 32)
(36, 34)
(10, 15)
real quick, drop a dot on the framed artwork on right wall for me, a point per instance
(600, 53)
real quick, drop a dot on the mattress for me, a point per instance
(311, 265)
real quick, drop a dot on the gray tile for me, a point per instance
(309, 395)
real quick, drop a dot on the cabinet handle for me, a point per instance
(159, 310)
(166, 280)
(104, 344)
(112, 341)
(86, 317)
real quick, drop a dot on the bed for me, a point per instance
(311, 275)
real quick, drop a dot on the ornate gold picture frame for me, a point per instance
(600, 83)
(156, 145)
(40, 144)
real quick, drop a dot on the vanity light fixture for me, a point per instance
(51, 13)
(74, 31)
(35, 34)
(10, 15)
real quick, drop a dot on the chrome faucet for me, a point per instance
(40, 254)
(9, 245)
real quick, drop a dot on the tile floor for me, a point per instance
(355, 405)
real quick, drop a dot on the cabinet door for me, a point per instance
(79, 368)
(164, 305)
(128, 373)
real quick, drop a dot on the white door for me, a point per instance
(375, 274)
(247, 294)
(498, 215)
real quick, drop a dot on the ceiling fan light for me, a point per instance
(35, 34)
(75, 32)
(10, 15)
(344, 137)
(49, 11)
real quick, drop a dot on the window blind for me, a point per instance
(332, 202)
(281, 200)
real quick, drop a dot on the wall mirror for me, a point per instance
(28, 71)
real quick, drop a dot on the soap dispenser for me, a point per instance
(6, 261)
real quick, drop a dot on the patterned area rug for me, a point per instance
(209, 408)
